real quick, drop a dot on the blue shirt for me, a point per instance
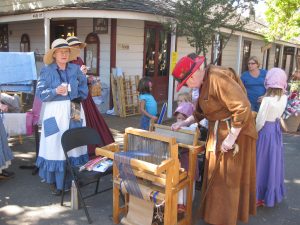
(51, 77)
(150, 103)
(255, 87)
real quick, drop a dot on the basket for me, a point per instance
(292, 123)
(95, 89)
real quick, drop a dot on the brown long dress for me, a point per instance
(231, 197)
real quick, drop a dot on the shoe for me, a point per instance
(52, 187)
(260, 203)
(7, 174)
(56, 192)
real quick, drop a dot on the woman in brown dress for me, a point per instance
(228, 191)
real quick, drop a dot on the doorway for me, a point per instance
(156, 59)
(288, 60)
(62, 29)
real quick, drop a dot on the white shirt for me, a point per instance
(270, 109)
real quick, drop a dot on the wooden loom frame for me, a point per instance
(168, 175)
(187, 139)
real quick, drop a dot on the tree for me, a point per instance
(283, 17)
(200, 20)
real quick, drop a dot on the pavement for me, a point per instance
(25, 200)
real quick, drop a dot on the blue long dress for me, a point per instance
(6, 154)
(56, 120)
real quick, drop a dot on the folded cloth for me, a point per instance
(15, 123)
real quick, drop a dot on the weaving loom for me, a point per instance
(148, 174)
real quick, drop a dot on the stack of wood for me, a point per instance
(125, 95)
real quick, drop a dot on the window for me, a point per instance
(25, 43)
(246, 54)
(62, 29)
(287, 60)
(4, 38)
(92, 54)
(277, 55)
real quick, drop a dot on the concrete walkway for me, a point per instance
(24, 200)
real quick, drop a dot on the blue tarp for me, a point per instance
(18, 70)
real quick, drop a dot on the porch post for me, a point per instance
(281, 56)
(239, 52)
(171, 79)
(47, 33)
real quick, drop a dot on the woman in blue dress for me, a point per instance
(58, 84)
(6, 154)
(253, 80)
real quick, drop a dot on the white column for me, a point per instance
(295, 60)
(216, 47)
(47, 33)
(239, 53)
(171, 79)
(281, 56)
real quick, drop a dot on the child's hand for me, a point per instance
(178, 125)
(260, 98)
(154, 118)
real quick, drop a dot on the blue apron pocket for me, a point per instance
(50, 126)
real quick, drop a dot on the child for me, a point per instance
(183, 97)
(269, 150)
(148, 104)
(183, 111)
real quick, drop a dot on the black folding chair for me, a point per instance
(75, 138)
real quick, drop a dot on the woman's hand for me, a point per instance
(62, 90)
(184, 123)
(229, 141)
(3, 107)
(84, 69)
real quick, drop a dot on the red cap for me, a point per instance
(185, 68)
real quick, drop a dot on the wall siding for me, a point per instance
(130, 33)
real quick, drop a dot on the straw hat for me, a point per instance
(60, 43)
(75, 41)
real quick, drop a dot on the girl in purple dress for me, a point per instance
(269, 150)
